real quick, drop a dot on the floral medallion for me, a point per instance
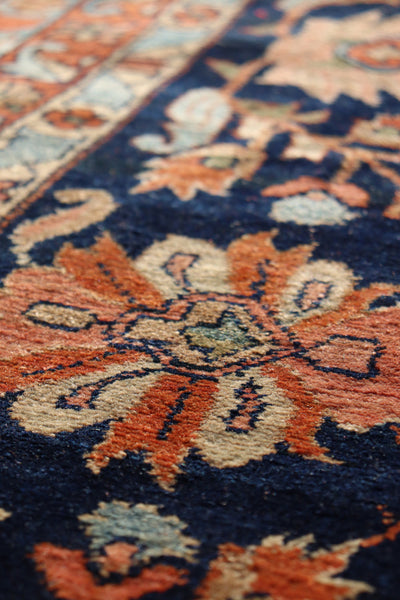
(227, 353)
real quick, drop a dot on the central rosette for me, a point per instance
(205, 332)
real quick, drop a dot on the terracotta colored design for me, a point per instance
(289, 569)
(230, 360)
(278, 568)
(59, 563)
(85, 72)
(196, 118)
(150, 536)
(199, 320)
(258, 571)
(212, 169)
(371, 142)
(73, 119)
(354, 56)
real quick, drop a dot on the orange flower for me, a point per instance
(67, 572)
(59, 563)
(211, 169)
(282, 571)
(190, 346)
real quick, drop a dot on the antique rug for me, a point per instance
(200, 299)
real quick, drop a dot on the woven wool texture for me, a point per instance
(200, 300)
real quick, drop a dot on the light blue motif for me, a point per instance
(155, 535)
(102, 7)
(196, 117)
(168, 38)
(303, 210)
(30, 148)
(29, 64)
(108, 91)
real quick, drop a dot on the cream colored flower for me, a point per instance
(358, 56)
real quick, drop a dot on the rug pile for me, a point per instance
(200, 299)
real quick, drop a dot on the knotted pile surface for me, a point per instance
(200, 300)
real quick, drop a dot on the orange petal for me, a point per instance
(353, 304)
(310, 575)
(255, 259)
(55, 365)
(48, 290)
(106, 270)
(67, 576)
(348, 193)
(301, 430)
(169, 173)
(354, 401)
(279, 570)
(343, 353)
(163, 425)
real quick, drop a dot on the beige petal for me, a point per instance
(37, 408)
(244, 425)
(207, 271)
(314, 289)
